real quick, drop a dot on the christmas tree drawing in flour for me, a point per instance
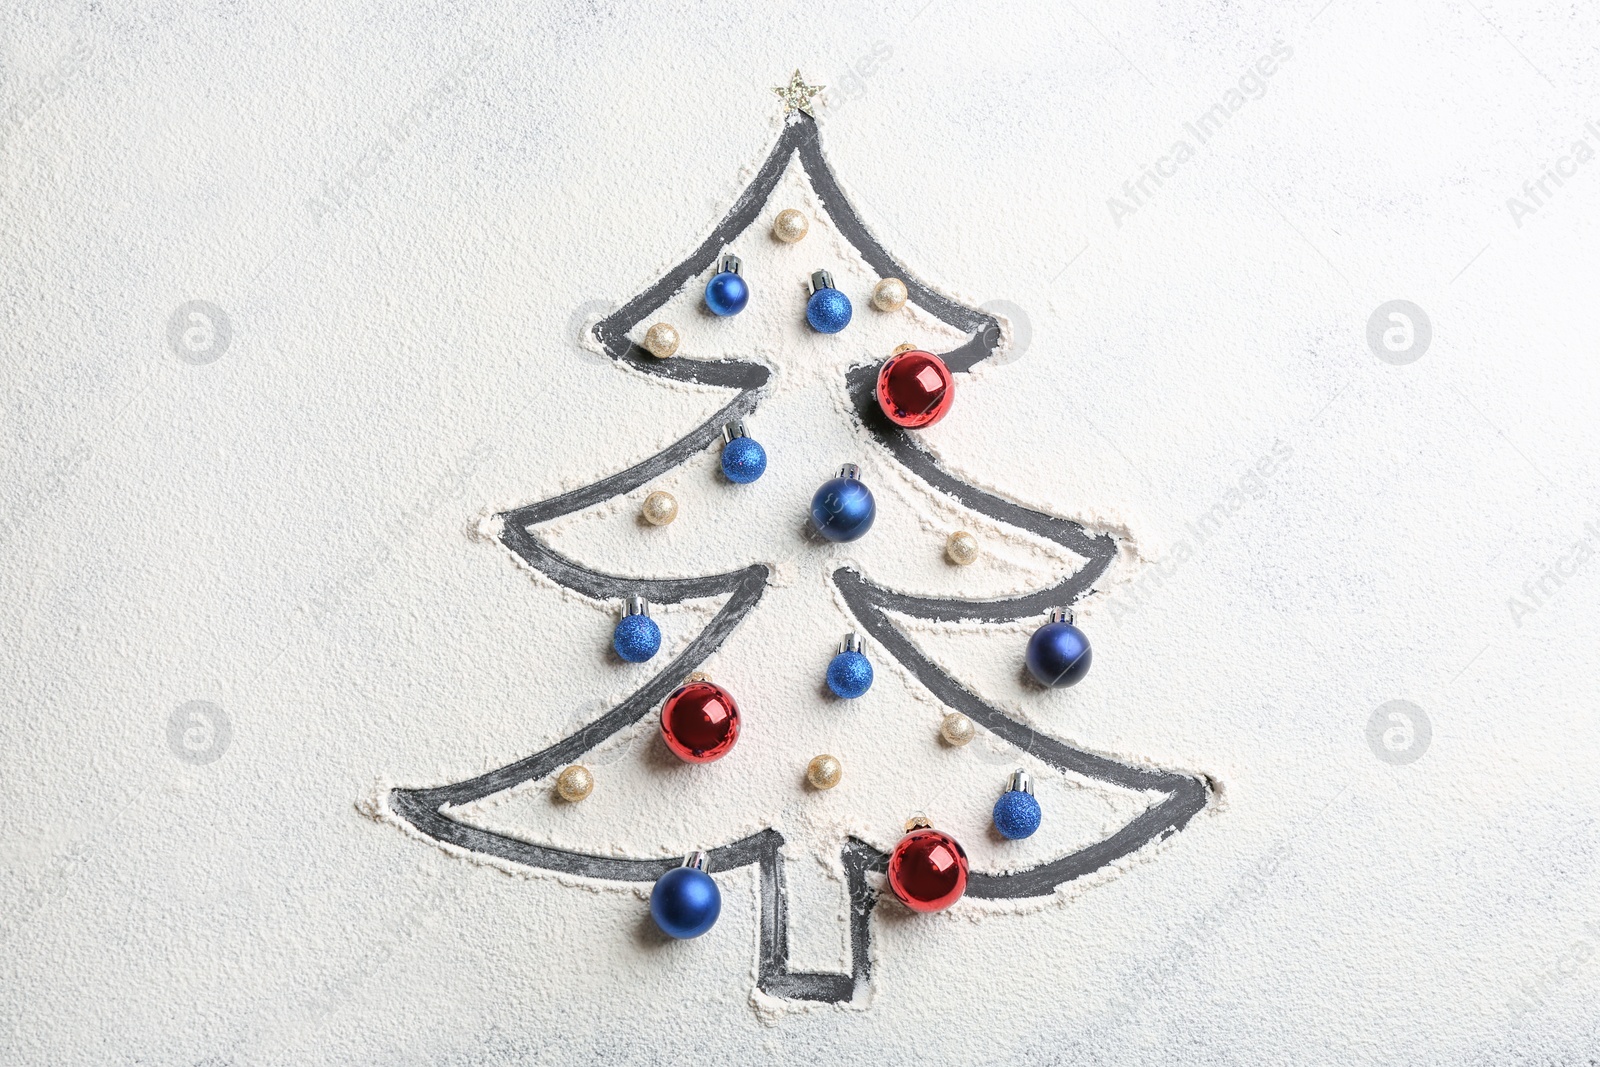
(743, 588)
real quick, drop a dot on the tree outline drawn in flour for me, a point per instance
(1185, 794)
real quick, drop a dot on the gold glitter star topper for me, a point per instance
(797, 94)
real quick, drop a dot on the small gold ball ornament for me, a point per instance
(956, 729)
(790, 226)
(823, 772)
(889, 295)
(574, 783)
(962, 548)
(659, 508)
(661, 340)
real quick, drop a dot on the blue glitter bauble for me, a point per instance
(727, 294)
(743, 460)
(1058, 655)
(1016, 814)
(828, 311)
(636, 638)
(849, 675)
(685, 902)
(843, 509)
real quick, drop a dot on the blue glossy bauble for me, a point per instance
(727, 294)
(685, 902)
(636, 638)
(1058, 655)
(743, 460)
(849, 675)
(828, 311)
(1016, 814)
(843, 509)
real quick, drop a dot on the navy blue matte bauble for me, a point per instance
(843, 509)
(727, 294)
(685, 903)
(849, 675)
(1058, 655)
(743, 460)
(828, 311)
(636, 638)
(1016, 814)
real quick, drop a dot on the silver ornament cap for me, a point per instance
(635, 605)
(820, 279)
(851, 642)
(1021, 782)
(733, 429)
(1060, 614)
(730, 265)
(695, 860)
(851, 471)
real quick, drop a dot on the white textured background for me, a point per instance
(281, 531)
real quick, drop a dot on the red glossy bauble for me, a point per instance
(915, 389)
(928, 870)
(700, 722)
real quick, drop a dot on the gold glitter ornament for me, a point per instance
(659, 508)
(661, 340)
(956, 729)
(962, 548)
(824, 771)
(790, 226)
(574, 783)
(889, 295)
(796, 96)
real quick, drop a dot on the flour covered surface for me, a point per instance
(332, 409)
